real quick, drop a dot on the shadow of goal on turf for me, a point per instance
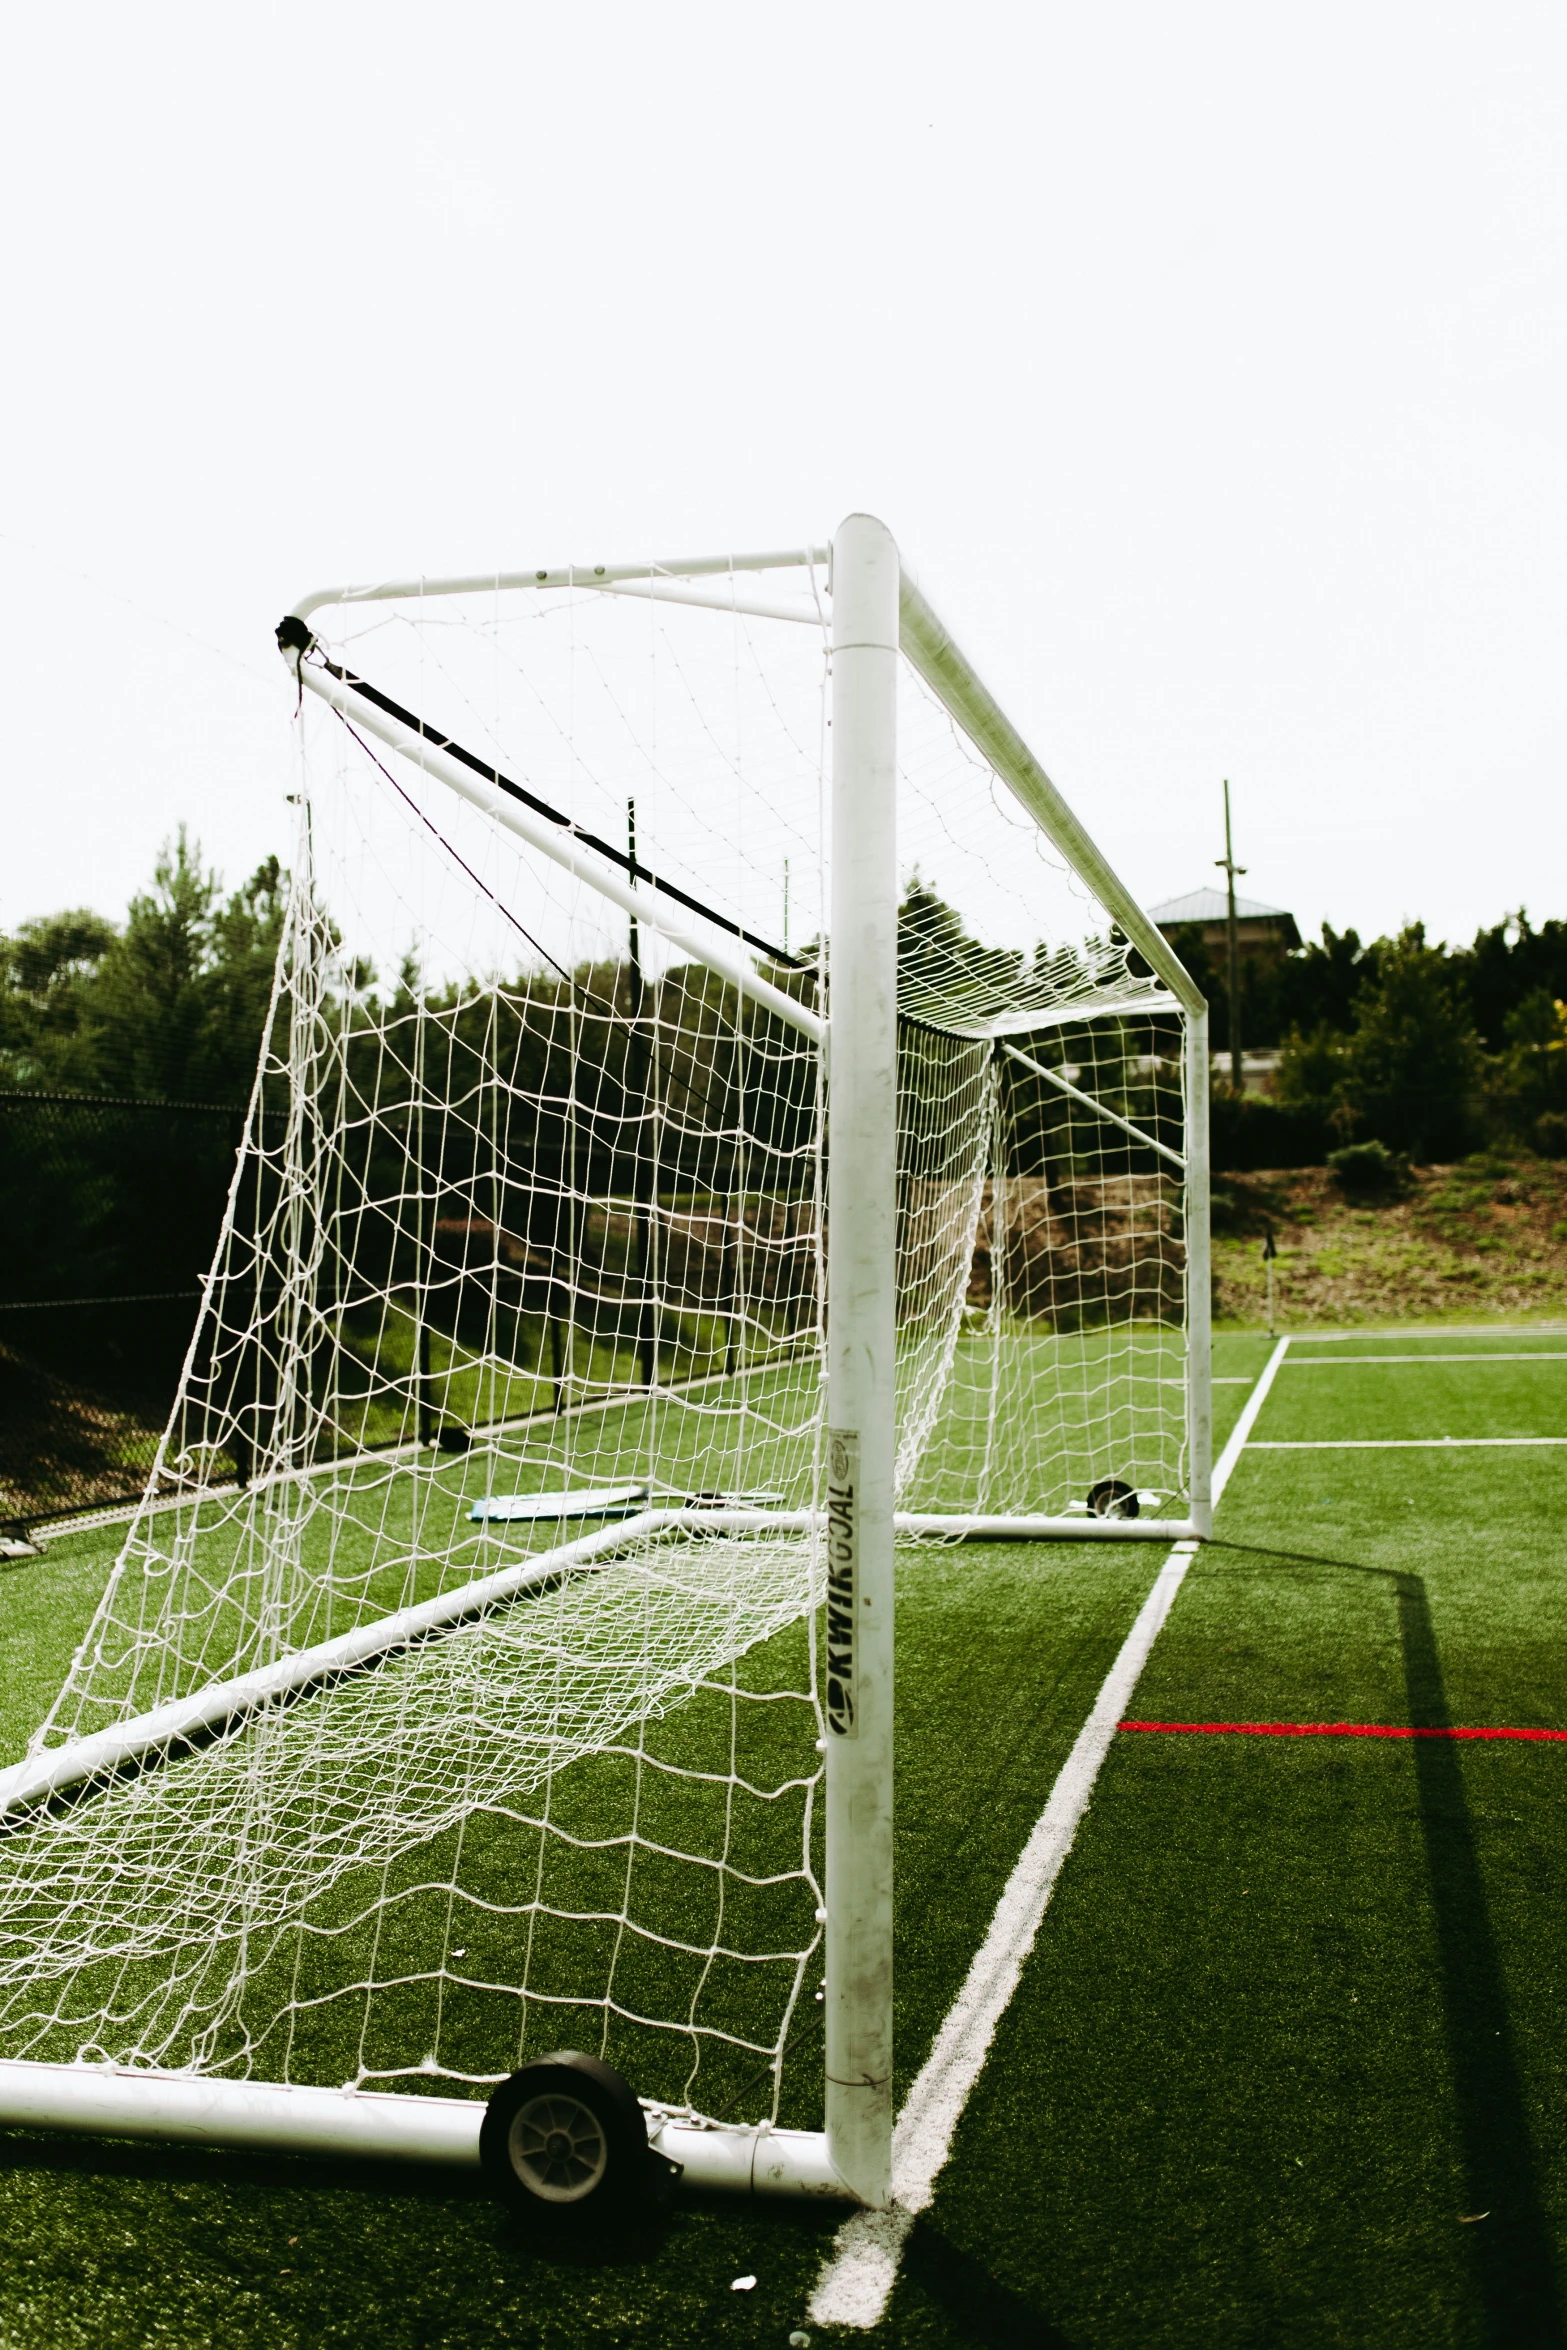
(1511, 2247)
(984, 2310)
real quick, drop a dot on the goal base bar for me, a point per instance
(263, 2117)
(1084, 1529)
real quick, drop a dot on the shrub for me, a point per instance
(1312, 1068)
(1249, 1133)
(1550, 1134)
(1369, 1170)
(1412, 1065)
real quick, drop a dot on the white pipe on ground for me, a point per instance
(147, 1737)
(40, 1776)
(758, 2162)
(111, 2101)
(267, 2117)
(1019, 1529)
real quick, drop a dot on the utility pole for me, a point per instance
(1237, 1079)
(643, 1119)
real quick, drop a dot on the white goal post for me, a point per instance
(812, 1253)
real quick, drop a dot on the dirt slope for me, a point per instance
(1488, 1236)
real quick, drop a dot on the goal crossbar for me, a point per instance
(561, 575)
(926, 642)
(399, 729)
(924, 639)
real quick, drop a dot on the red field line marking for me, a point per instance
(1334, 1730)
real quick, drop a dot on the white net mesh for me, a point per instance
(526, 1243)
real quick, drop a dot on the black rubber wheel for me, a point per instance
(565, 2137)
(1112, 1498)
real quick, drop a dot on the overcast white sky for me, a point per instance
(1207, 362)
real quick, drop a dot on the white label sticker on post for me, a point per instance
(843, 1478)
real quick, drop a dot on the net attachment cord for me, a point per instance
(297, 644)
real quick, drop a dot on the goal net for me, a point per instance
(460, 1690)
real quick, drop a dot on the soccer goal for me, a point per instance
(720, 1119)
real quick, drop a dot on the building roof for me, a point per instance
(1212, 905)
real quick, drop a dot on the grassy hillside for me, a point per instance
(1488, 1236)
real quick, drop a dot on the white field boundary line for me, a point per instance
(858, 2274)
(1392, 1443)
(1439, 1330)
(1418, 1362)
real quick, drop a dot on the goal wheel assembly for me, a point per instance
(565, 2136)
(1112, 1497)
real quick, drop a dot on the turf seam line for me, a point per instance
(1339, 1730)
(859, 2273)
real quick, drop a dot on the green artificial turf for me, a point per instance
(1293, 2018)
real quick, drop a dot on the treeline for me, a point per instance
(558, 1122)
(1510, 970)
(1426, 1048)
(168, 1005)
(128, 1052)
(106, 1186)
